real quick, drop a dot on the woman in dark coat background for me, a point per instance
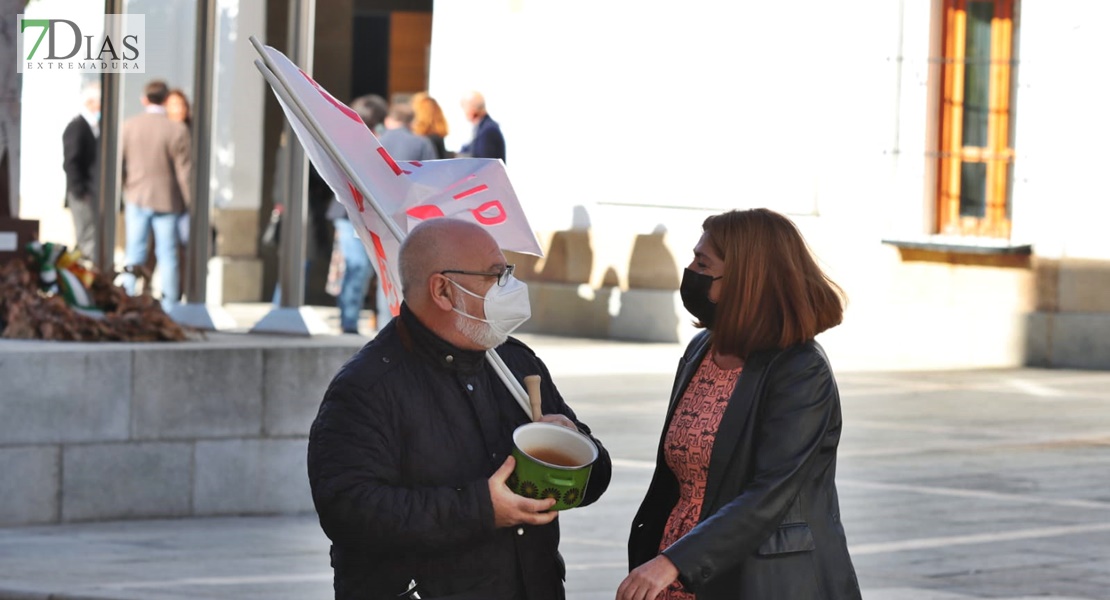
(743, 501)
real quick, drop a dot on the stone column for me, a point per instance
(10, 90)
(14, 233)
(235, 272)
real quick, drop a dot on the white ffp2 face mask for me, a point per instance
(507, 306)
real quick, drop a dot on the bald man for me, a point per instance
(409, 453)
(488, 141)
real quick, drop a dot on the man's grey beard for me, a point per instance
(476, 331)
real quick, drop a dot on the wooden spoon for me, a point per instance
(532, 382)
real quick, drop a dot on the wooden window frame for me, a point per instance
(998, 153)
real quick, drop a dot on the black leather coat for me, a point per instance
(770, 525)
(399, 455)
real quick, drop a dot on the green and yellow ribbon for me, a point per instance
(61, 272)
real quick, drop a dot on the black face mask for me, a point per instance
(695, 296)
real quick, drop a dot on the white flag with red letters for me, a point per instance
(471, 189)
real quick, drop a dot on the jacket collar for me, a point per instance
(690, 362)
(742, 406)
(429, 346)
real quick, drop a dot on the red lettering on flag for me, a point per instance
(358, 197)
(343, 108)
(499, 217)
(459, 182)
(389, 161)
(424, 212)
(383, 270)
(471, 192)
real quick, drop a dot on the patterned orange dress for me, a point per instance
(687, 448)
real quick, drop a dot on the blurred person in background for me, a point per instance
(350, 278)
(157, 189)
(177, 107)
(430, 122)
(398, 138)
(488, 141)
(80, 147)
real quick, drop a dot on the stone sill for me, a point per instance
(961, 245)
(967, 251)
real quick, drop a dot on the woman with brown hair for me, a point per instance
(743, 501)
(177, 107)
(430, 122)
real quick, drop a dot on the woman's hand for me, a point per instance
(648, 580)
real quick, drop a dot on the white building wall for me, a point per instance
(714, 104)
(1061, 199)
(630, 118)
(655, 117)
(909, 212)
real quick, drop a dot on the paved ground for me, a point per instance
(956, 485)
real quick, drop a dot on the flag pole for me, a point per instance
(280, 86)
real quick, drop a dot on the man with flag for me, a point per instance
(409, 454)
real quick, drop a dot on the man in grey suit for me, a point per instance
(157, 187)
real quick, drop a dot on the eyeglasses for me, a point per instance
(502, 275)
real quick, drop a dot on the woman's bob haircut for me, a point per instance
(773, 294)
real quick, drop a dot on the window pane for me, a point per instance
(973, 189)
(977, 73)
